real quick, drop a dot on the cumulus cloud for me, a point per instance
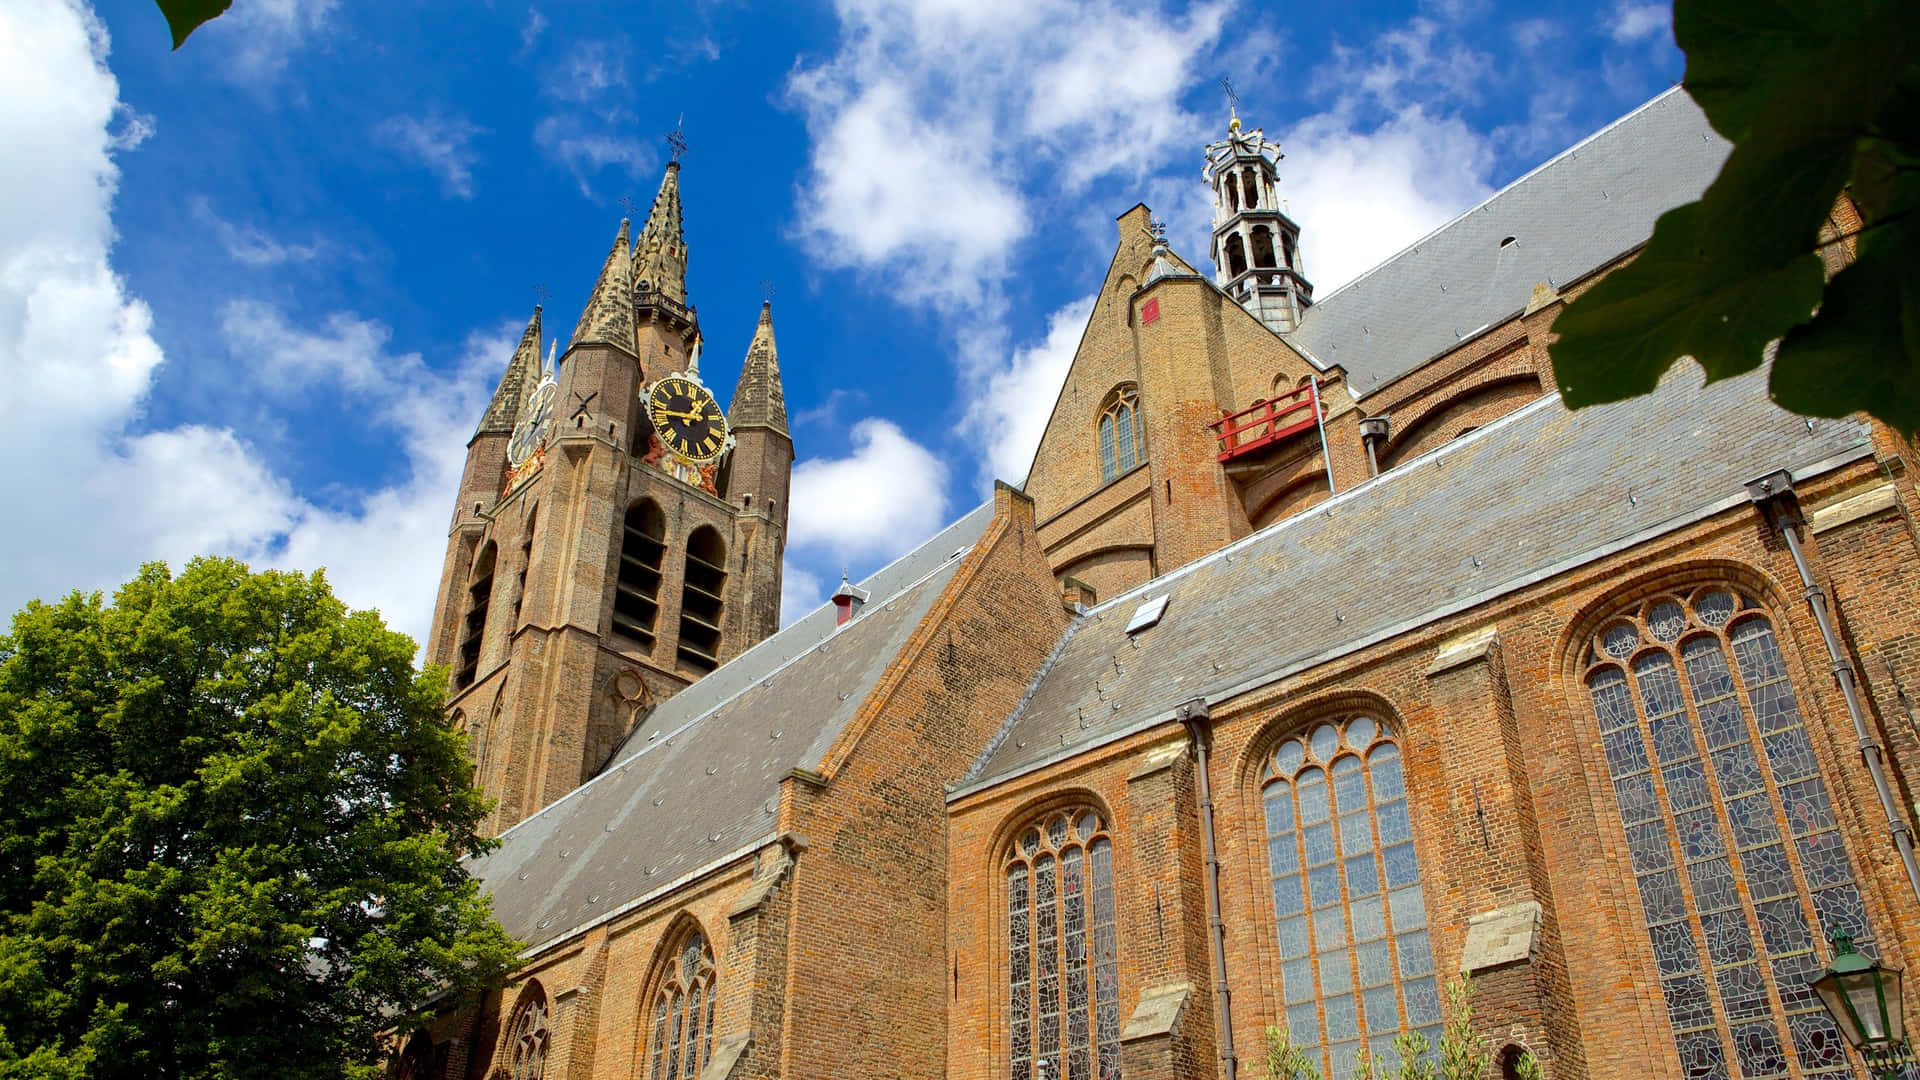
(936, 121)
(260, 37)
(886, 495)
(439, 143)
(584, 151)
(800, 592)
(1636, 22)
(104, 492)
(1014, 397)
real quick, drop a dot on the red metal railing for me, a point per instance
(1266, 422)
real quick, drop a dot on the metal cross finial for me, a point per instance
(767, 289)
(1233, 99)
(676, 139)
(541, 295)
(632, 208)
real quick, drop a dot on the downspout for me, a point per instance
(1326, 455)
(1773, 494)
(1373, 432)
(1195, 716)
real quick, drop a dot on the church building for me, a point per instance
(1323, 660)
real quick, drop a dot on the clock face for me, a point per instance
(532, 430)
(687, 419)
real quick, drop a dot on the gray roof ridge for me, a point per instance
(1019, 707)
(616, 766)
(1371, 484)
(1483, 203)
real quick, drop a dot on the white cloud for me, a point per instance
(587, 72)
(442, 144)
(536, 25)
(885, 496)
(585, 152)
(1631, 22)
(1012, 399)
(249, 245)
(936, 120)
(261, 36)
(800, 592)
(103, 494)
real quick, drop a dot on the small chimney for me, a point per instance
(846, 600)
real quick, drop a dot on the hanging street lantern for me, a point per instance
(1864, 1000)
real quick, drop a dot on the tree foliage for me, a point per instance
(186, 16)
(230, 839)
(1816, 96)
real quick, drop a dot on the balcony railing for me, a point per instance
(1267, 422)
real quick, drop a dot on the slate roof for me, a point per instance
(1572, 215)
(700, 779)
(1523, 498)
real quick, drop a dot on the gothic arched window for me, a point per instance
(1236, 256)
(683, 1010)
(1120, 449)
(527, 1036)
(1734, 842)
(1262, 246)
(701, 593)
(473, 632)
(636, 589)
(1063, 950)
(1355, 963)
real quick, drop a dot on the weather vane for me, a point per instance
(1159, 230)
(676, 139)
(1233, 99)
(541, 295)
(626, 203)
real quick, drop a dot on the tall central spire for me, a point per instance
(660, 256)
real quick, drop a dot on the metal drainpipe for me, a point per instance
(1194, 714)
(1373, 432)
(1774, 495)
(1326, 455)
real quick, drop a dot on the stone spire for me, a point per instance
(608, 318)
(660, 255)
(758, 400)
(521, 376)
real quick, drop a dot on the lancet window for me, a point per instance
(1120, 449)
(683, 1008)
(1734, 842)
(1062, 950)
(701, 590)
(636, 588)
(474, 630)
(527, 1036)
(1356, 968)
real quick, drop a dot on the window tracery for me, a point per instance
(1733, 840)
(683, 1010)
(1120, 442)
(527, 1036)
(1356, 965)
(1063, 950)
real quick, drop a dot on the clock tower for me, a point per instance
(618, 534)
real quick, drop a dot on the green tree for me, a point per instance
(186, 16)
(230, 840)
(1462, 1053)
(1816, 96)
(1285, 1061)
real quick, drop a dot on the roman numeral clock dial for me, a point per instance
(688, 420)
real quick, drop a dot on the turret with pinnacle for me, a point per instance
(1256, 246)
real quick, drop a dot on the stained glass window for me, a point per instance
(683, 1012)
(1355, 965)
(1120, 449)
(1062, 951)
(527, 1036)
(1733, 841)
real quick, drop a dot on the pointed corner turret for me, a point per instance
(608, 318)
(660, 254)
(518, 381)
(758, 399)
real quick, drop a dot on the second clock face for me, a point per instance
(687, 419)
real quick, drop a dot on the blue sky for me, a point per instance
(254, 294)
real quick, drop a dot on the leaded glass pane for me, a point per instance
(1748, 901)
(1423, 1001)
(1409, 908)
(1343, 1022)
(1279, 807)
(1063, 963)
(1360, 732)
(1619, 641)
(1369, 919)
(1296, 980)
(1363, 877)
(1109, 463)
(1336, 971)
(1125, 428)
(1383, 767)
(1289, 757)
(1375, 965)
(1324, 740)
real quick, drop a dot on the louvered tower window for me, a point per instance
(683, 1013)
(700, 603)
(1356, 967)
(1120, 449)
(526, 564)
(474, 630)
(636, 597)
(1734, 843)
(1062, 951)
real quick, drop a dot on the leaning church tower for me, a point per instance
(617, 534)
